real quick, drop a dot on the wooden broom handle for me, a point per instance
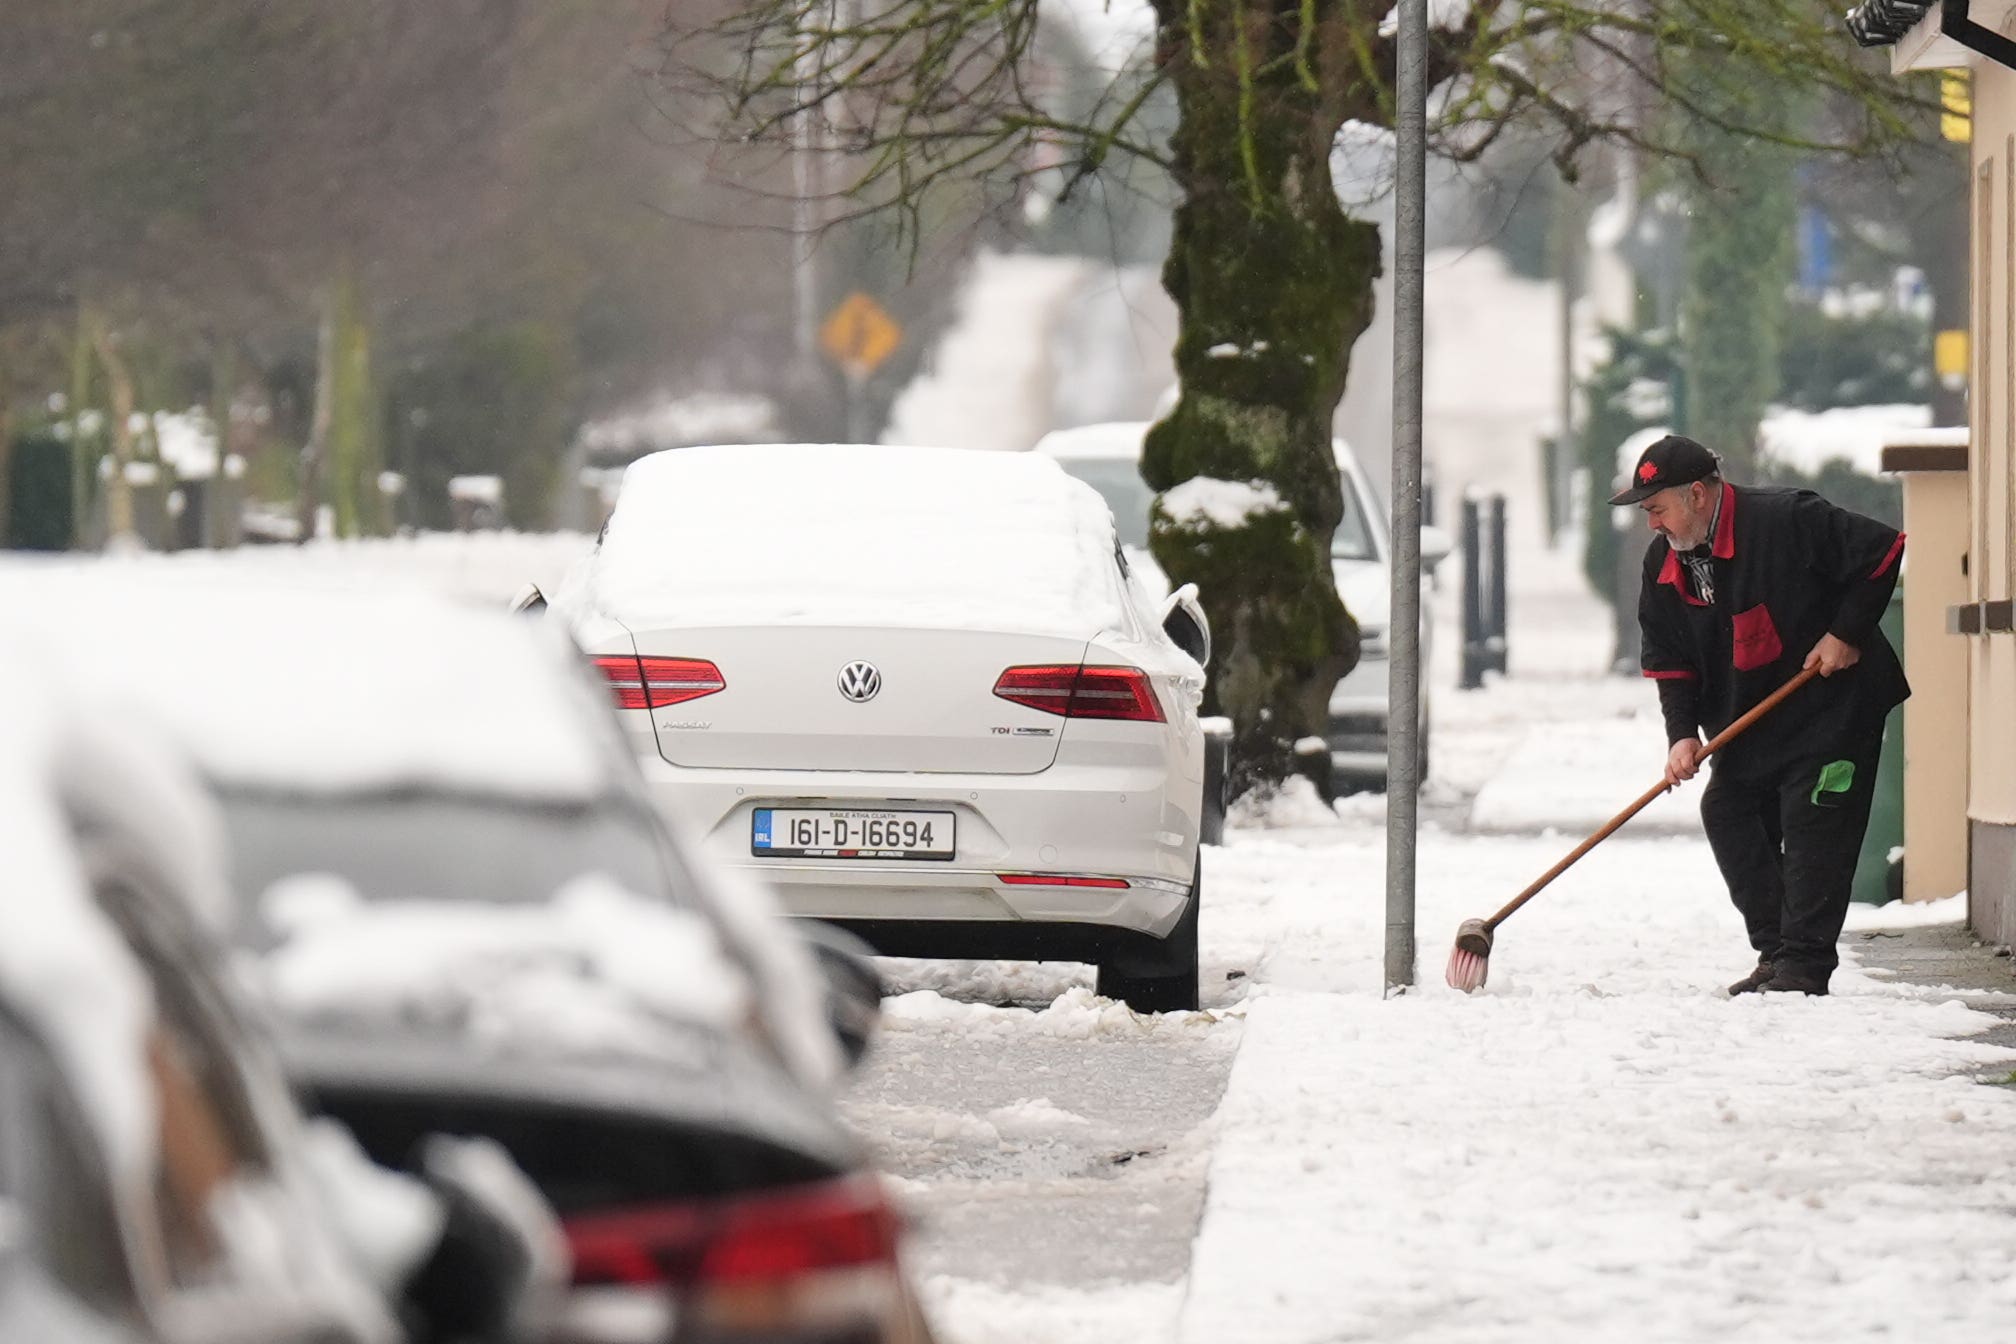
(1715, 744)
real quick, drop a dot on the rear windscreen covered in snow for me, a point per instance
(860, 535)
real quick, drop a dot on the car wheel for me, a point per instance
(1162, 978)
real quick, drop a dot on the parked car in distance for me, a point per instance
(456, 896)
(157, 1185)
(1108, 458)
(919, 692)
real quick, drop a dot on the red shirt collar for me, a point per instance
(1725, 525)
(1724, 548)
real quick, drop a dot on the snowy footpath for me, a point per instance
(1599, 1145)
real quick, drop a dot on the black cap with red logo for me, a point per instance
(1673, 460)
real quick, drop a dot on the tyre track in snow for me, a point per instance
(1050, 1146)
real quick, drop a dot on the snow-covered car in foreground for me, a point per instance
(157, 1185)
(1108, 458)
(469, 918)
(918, 692)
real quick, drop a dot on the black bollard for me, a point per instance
(1473, 599)
(1494, 607)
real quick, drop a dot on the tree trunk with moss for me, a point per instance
(83, 445)
(1273, 285)
(343, 456)
(119, 523)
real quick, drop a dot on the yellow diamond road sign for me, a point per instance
(859, 335)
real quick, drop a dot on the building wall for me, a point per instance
(1935, 717)
(1992, 657)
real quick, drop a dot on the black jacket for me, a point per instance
(1789, 568)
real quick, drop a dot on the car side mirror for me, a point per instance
(853, 985)
(529, 599)
(499, 1272)
(1183, 620)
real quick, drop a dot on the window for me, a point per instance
(1353, 539)
(1118, 481)
(436, 846)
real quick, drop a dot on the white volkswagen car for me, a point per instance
(1108, 458)
(916, 690)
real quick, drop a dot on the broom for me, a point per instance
(1470, 959)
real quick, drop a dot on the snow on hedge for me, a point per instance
(1806, 441)
(802, 534)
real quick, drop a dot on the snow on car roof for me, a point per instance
(857, 534)
(1119, 439)
(1124, 439)
(313, 691)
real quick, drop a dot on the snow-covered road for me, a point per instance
(1054, 1159)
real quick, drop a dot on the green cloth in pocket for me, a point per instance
(1836, 777)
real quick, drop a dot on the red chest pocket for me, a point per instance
(1756, 639)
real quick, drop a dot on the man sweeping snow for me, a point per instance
(1743, 587)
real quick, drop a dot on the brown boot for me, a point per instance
(1753, 982)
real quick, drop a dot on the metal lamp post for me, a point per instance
(1403, 695)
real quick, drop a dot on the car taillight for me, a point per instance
(653, 683)
(769, 1237)
(1082, 692)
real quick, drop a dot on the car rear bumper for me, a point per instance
(969, 898)
(1122, 823)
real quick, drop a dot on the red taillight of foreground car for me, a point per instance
(1058, 880)
(653, 683)
(770, 1237)
(1083, 692)
(814, 1263)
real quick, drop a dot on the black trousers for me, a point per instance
(1786, 838)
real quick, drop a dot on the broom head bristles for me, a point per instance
(1470, 959)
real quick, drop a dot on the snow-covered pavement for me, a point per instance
(1597, 1146)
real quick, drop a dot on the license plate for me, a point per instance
(850, 833)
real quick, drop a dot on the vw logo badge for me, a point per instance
(860, 682)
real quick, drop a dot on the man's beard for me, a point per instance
(1679, 542)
